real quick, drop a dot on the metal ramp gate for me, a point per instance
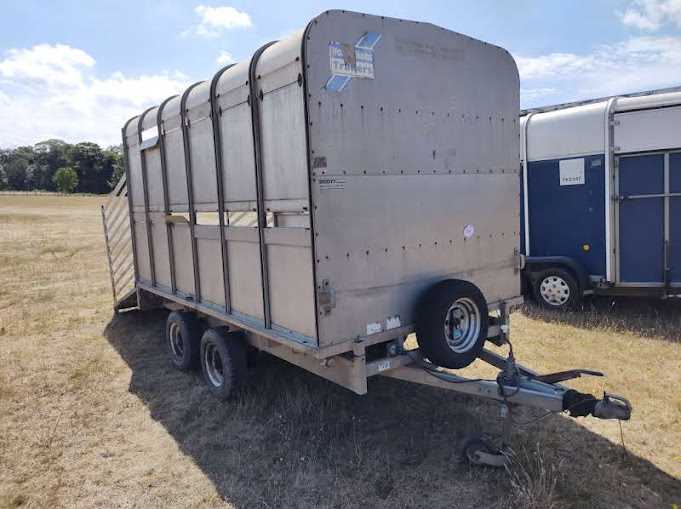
(119, 249)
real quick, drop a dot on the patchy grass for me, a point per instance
(93, 414)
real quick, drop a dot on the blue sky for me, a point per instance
(77, 70)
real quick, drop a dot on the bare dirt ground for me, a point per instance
(92, 414)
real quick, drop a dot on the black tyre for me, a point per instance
(556, 289)
(451, 323)
(183, 338)
(223, 362)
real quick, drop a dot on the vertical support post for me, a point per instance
(609, 150)
(190, 189)
(615, 199)
(526, 194)
(308, 159)
(145, 192)
(254, 98)
(216, 112)
(128, 187)
(166, 199)
(667, 199)
(503, 322)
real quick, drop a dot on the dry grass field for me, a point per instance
(92, 415)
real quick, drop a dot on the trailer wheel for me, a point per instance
(452, 322)
(473, 446)
(183, 336)
(556, 289)
(223, 362)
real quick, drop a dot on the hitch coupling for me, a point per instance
(610, 407)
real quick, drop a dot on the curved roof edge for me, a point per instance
(636, 100)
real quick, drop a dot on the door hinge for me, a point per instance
(326, 297)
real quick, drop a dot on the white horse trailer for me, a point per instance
(602, 197)
(347, 186)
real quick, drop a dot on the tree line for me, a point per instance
(55, 165)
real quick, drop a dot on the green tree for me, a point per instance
(113, 157)
(50, 155)
(65, 179)
(88, 160)
(16, 168)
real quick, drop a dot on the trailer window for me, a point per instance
(209, 218)
(242, 218)
(149, 137)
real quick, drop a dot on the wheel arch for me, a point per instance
(535, 265)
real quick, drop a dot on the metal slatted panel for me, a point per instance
(118, 242)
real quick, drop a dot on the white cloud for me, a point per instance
(224, 58)
(214, 20)
(53, 91)
(652, 14)
(639, 63)
(58, 63)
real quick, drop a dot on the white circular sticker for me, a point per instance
(468, 231)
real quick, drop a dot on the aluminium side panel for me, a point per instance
(241, 232)
(413, 135)
(171, 123)
(154, 178)
(287, 236)
(136, 190)
(202, 151)
(204, 195)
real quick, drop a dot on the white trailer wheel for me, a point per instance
(554, 290)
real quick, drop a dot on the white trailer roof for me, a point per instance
(571, 132)
(578, 129)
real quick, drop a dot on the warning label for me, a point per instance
(331, 183)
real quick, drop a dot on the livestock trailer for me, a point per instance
(324, 200)
(601, 197)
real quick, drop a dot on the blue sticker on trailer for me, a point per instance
(349, 61)
(566, 202)
(641, 218)
(675, 217)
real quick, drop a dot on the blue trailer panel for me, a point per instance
(568, 219)
(641, 218)
(675, 216)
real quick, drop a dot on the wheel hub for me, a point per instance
(213, 365)
(462, 325)
(554, 290)
(176, 340)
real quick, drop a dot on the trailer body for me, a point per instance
(349, 182)
(313, 193)
(601, 192)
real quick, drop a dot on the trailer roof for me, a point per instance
(636, 100)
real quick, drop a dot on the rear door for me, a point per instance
(642, 219)
(675, 217)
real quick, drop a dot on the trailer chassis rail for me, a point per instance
(514, 386)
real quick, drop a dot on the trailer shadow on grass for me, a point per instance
(294, 440)
(650, 318)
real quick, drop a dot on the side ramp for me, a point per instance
(119, 250)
